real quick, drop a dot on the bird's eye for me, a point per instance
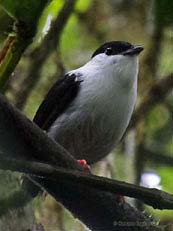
(109, 51)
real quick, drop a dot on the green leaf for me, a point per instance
(27, 11)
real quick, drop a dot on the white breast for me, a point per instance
(98, 117)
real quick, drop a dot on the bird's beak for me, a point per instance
(135, 50)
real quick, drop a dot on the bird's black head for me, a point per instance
(117, 48)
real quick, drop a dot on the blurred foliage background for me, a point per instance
(145, 155)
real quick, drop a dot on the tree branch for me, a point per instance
(99, 210)
(156, 198)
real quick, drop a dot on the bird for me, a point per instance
(87, 110)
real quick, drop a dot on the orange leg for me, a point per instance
(120, 198)
(84, 164)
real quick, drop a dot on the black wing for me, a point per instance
(57, 100)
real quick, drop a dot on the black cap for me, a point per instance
(118, 47)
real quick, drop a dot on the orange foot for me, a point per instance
(84, 164)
